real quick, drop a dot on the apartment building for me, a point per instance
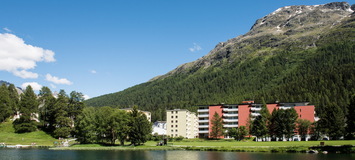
(181, 122)
(235, 115)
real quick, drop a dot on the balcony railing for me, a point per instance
(203, 115)
(203, 131)
(230, 120)
(230, 109)
(203, 126)
(255, 109)
(230, 115)
(255, 114)
(230, 125)
(203, 110)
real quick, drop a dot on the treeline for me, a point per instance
(30, 112)
(65, 116)
(282, 124)
(108, 125)
(323, 75)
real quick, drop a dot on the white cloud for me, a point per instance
(7, 29)
(17, 57)
(25, 74)
(93, 71)
(35, 86)
(195, 48)
(86, 97)
(57, 80)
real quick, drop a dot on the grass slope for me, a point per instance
(9, 137)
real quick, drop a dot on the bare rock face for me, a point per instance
(291, 25)
(302, 18)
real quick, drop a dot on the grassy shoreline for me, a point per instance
(230, 146)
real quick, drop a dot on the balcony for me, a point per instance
(255, 109)
(255, 114)
(203, 131)
(203, 121)
(230, 115)
(230, 125)
(203, 116)
(203, 110)
(203, 126)
(230, 120)
(230, 109)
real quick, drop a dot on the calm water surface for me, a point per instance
(42, 154)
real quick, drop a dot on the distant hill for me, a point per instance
(297, 53)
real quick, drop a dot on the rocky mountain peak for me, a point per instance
(287, 25)
(300, 17)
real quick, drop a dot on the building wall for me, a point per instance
(181, 123)
(243, 114)
(305, 112)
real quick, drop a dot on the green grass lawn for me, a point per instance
(9, 137)
(259, 144)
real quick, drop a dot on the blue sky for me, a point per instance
(100, 47)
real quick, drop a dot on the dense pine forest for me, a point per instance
(314, 68)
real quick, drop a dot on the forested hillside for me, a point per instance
(288, 57)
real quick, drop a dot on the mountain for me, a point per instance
(296, 53)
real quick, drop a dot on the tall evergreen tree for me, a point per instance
(332, 123)
(140, 127)
(5, 103)
(14, 98)
(259, 128)
(46, 109)
(350, 119)
(217, 126)
(85, 126)
(289, 119)
(28, 108)
(62, 123)
(303, 127)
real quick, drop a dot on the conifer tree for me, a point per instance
(28, 107)
(46, 109)
(5, 103)
(140, 127)
(14, 98)
(217, 126)
(350, 120)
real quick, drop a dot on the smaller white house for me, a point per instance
(159, 127)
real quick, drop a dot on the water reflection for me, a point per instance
(41, 154)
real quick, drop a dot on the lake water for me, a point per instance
(43, 154)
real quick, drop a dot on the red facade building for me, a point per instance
(235, 115)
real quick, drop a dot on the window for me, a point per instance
(176, 112)
(175, 116)
(176, 130)
(172, 126)
(300, 115)
(176, 126)
(172, 121)
(172, 135)
(172, 130)
(176, 135)
(172, 116)
(176, 121)
(300, 110)
(172, 112)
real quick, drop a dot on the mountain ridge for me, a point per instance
(290, 62)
